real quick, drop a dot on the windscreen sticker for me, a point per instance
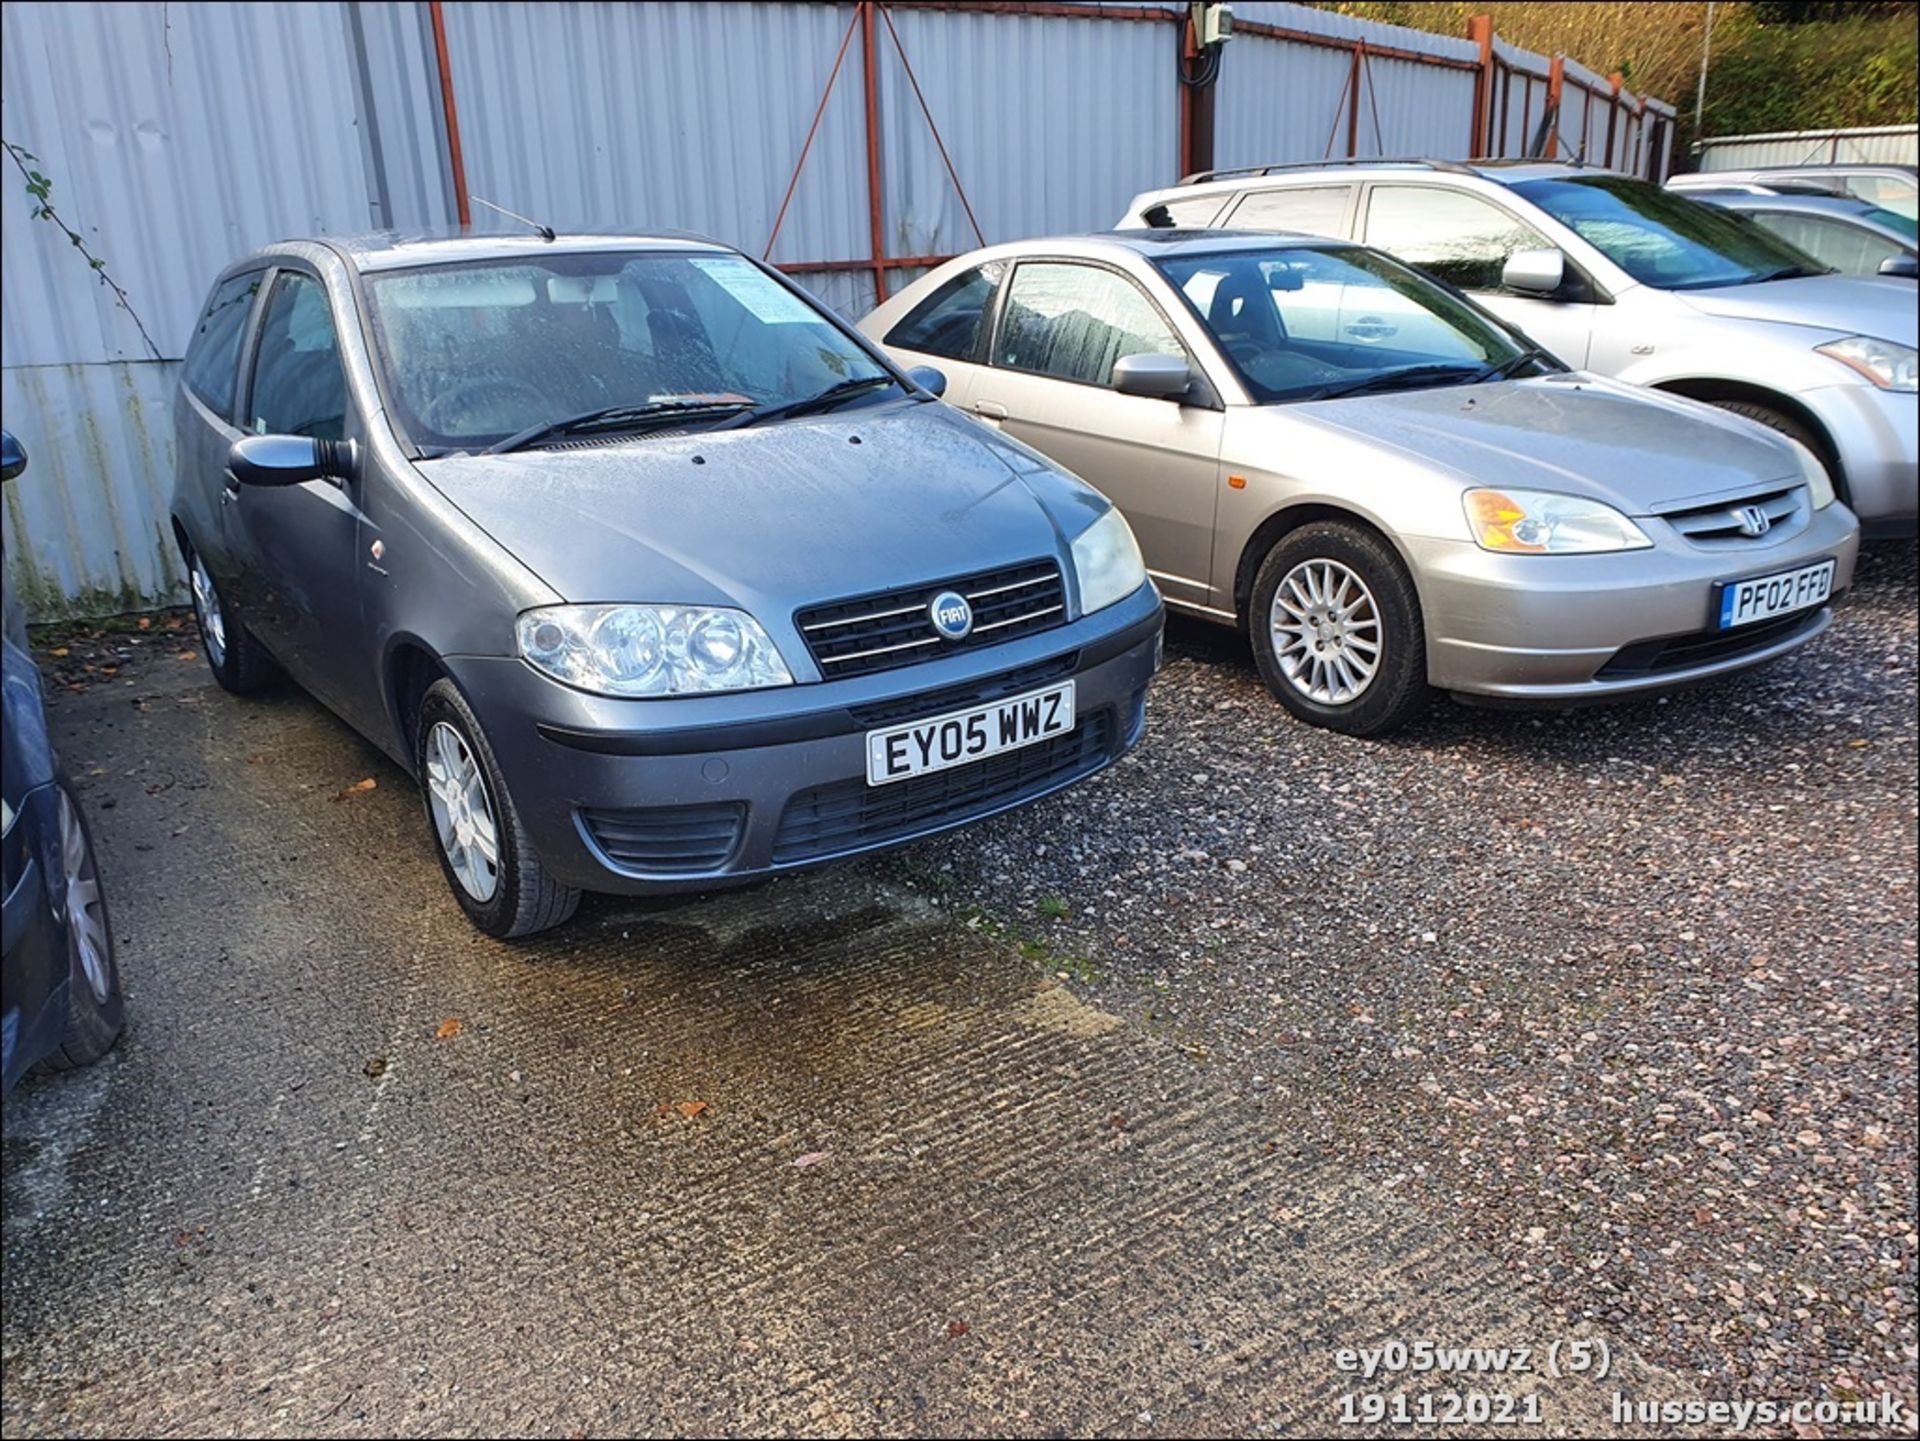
(768, 300)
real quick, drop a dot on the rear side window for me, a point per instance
(1462, 239)
(947, 322)
(298, 385)
(213, 354)
(1852, 249)
(1309, 209)
(1075, 321)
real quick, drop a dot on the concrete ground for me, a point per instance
(838, 1154)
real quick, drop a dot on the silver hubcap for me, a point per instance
(1326, 632)
(206, 605)
(86, 917)
(462, 813)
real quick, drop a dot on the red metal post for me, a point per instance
(1556, 80)
(1613, 112)
(456, 161)
(876, 205)
(1353, 99)
(1480, 31)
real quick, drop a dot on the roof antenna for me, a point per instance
(545, 231)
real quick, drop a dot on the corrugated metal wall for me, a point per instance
(1884, 144)
(181, 135)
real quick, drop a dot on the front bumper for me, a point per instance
(1877, 435)
(1569, 629)
(653, 796)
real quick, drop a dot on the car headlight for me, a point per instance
(651, 650)
(1106, 561)
(1541, 522)
(1814, 473)
(1889, 366)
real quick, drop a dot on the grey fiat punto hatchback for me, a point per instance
(654, 574)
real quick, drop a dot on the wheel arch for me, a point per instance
(408, 670)
(1290, 518)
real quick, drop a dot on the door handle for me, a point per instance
(989, 410)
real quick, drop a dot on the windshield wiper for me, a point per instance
(1504, 369)
(613, 417)
(808, 405)
(1785, 272)
(1396, 379)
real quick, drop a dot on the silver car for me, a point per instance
(1389, 488)
(651, 572)
(1617, 276)
(1890, 186)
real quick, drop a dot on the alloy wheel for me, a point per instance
(462, 812)
(86, 915)
(1326, 631)
(206, 605)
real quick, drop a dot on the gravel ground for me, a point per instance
(1629, 991)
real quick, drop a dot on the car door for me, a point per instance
(297, 546)
(947, 330)
(205, 429)
(1466, 240)
(1058, 330)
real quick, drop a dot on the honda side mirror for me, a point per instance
(1904, 266)
(1158, 377)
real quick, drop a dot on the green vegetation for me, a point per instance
(1775, 66)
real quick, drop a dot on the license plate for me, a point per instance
(1742, 602)
(960, 737)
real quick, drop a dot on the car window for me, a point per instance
(1298, 320)
(1664, 238)
(1889, 192)
(1852, 249)
(1075, 321)
(1192, 214)
(298, 385)
(474, 352)
(1309, 209)
(1460, 238)
(947, 322)
(213, 354)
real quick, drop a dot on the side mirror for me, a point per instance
(930, 378)
(1903, 265)
(290, 460)
(1535, 272)
(13, 456)
(1158, 377)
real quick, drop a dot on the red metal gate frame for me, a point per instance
(1490, 73)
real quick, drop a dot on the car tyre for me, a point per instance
(238, 660)
(483, 847)
(1336, 630)
(1787, 426)
(96, 1011)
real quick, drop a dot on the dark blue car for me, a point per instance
(59, 980)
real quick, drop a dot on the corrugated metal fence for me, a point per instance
(180, 135)
(1879, 144)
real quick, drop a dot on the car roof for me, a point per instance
(1160, 244)
(1503, 172)
(392, 250)
(1790, 200)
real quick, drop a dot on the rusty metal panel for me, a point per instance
(1881, 144)
(86, 526)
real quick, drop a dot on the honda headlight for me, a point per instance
(1541, 522)
(651, 650)
(1889, 366)
(1106, 561)
(1819, 483)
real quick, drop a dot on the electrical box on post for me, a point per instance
(1214, 25)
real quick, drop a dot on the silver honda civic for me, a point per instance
(1388, 487)
(653, 573)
